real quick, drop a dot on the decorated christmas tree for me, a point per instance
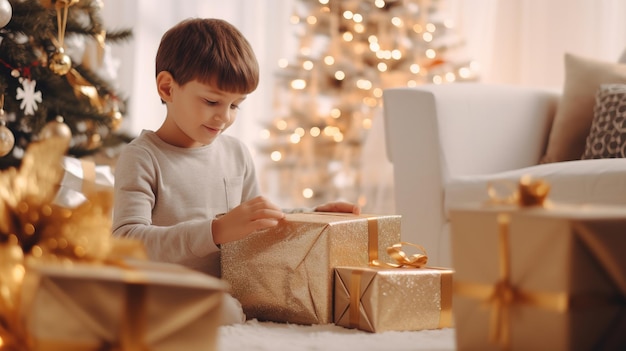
(328, 94)
(55, 77)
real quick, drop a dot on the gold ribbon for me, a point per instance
(89, 175)
(417, 260)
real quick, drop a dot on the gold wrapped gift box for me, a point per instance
(148, 306)
(402, 299)
(285, 274)
(539, 279)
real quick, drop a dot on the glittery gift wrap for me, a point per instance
(145, 306)
(539, 278)
(382, 299)
(285, 274)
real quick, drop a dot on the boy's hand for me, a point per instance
(339, 206)
(252, 215)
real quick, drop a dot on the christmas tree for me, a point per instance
(329, 93)
(52, 80)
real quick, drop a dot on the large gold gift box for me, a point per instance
(401, 299)
(285, 274)
(147, 306)
(539, 278)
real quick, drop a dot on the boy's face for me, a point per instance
(200, 112)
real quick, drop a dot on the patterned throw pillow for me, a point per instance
(607, 137)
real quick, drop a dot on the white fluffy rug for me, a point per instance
(262, 336)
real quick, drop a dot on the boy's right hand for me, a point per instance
(252, 215)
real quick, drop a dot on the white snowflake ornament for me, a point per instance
(29, 96)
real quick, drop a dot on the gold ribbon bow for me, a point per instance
(403, 260)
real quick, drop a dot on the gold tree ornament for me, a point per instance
(7, 139)
(56, 129)
(59, 62)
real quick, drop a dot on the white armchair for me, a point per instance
(446, 142)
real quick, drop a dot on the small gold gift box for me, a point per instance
(539, 278)
(381, 299)
(147, 306)
(285, 274)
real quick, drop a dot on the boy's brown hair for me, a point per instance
(211, 51)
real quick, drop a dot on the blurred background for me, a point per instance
(315, 124)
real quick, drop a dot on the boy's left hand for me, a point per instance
(339, 206)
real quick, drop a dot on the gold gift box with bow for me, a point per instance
(285, 274)
(144, 306)
(540, 277)
(379, 299)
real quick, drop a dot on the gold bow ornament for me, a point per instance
(36, 232)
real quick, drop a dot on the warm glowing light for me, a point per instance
(265, 134)
(396, 54)
(281, 124)
(294, 138)
(324, 2)
(338, 137)
(305, 51)
(359, 28)
(370, 101)
(431, 53)
(276, 156)
(415, 68)
(412, 83)
(307, 193)
(294, 19)
(379, 3)
(340, 75)
(367, 123)
(396, 21)
(437, 79)
(311, 20)
(418, 28)
(382, 66)
(347, 36)
(465, 72)
(298, 84)
(431, 27)
(283, 63)
(450, 77)
(299, 131)
(307, 65)
(315, 131)
(348, 15)
(374, 47)
(358, 18)
(378, 92)
(364, 84)
(330, 130)
(428, 37)
(335, 113)
(329, 60)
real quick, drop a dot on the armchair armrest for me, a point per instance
(435, 132)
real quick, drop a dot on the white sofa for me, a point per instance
(447, 141)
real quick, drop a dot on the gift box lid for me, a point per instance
(135, 272)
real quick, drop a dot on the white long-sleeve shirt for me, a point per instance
(167, 197)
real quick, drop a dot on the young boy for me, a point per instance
(186, 188)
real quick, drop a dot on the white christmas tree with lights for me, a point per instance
(327, 95)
